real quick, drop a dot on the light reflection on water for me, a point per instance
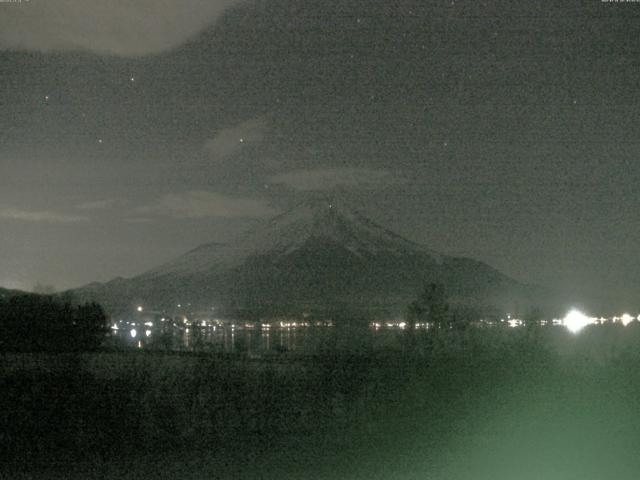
(258, 341)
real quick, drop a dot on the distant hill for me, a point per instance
(315, 257)
(6, 293)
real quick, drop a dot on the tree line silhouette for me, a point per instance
(42, 323)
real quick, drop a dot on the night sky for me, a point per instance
(133, 131)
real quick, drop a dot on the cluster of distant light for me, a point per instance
(401, 324)
(574, 321)
(136, 325)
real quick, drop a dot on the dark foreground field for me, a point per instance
(537, 404)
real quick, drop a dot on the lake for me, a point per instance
(306, 340)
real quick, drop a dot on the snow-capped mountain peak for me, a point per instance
(317, 219)
(311, 256)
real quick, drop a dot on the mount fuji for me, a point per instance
(314, 258)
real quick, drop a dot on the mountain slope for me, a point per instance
(289, 232)
(6, 293)
(310, 258)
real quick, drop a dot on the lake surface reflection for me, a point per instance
(257, 341)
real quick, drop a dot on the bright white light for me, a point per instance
(626, 319)
(147, 333)
(115, 326)
(133, 333)
(139, 309)
(576, 321)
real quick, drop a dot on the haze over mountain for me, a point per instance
(317, 257)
